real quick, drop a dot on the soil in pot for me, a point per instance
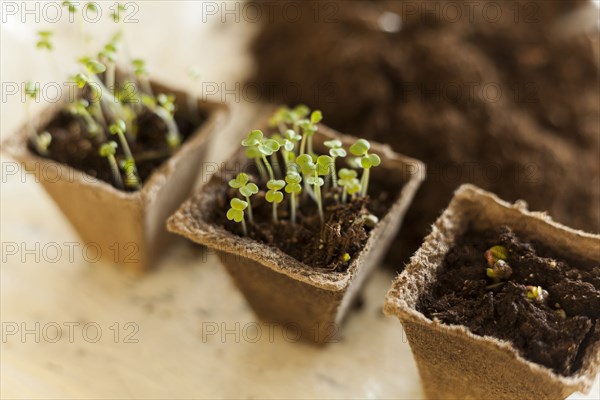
(551, 327)
(71, 144)
(328, 246)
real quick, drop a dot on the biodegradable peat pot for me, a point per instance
(453, 362)
(126, 228)
(280, 288)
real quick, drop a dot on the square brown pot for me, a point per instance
(280, 288)
(126, 228)
(457, 364)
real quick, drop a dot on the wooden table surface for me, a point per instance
(182, 331)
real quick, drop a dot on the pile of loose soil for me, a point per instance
(72, 145)
(554, 332)
(318, 245)
(509, 103)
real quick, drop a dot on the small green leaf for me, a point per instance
(235, 215)
(273, 196)
(316, 117)
(238, 204)
(293, 177)
(337, 153)
(293, 188)
(360, 148)
(292, 135)
(311, 181)
(346, 173)
(108, 149)
(275, 184)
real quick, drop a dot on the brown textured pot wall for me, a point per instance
(125, 228)
(453, 362)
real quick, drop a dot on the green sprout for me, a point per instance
(164, 107)
(80, 108)
(141, 73)
(108, 150)
(349, 182)
(274, 195)
(42, 141)
(236, 212)
(266, 147)
(335, 151)
(253, 153)
(44, 42)
(119, 129)
(284, 116)
(293, 188)
(312, 173)
(497, 268)
(71, 6)
(367, 161)
(536, 294)
(109, 55)
(309, 127)
(246, 189)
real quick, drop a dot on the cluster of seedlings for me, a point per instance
(287, 163)
(109, 108)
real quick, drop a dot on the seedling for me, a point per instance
(349, 183)
(246, 189)
(335, 151)
(274, 195)
(119, 129)
(497, 268)
(108, 150)
(80, 109)
(309, 127)
(164, 107)
(293, 188)
(311, 172)
(236, 212)
(44, 42)
(266, 147)
(536, 294)
(367, 161)
(42, 141)
(141, 73)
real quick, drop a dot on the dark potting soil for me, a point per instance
(71, 144)
(423, 88)
(464, 295)
(309, 241)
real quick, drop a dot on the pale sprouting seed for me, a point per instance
(274, 195)
(109, 55)
(361, 149)
(293, 188)
(236, 212)
(536, 294)
(497, 267)
(108, 151)
(246, 189)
